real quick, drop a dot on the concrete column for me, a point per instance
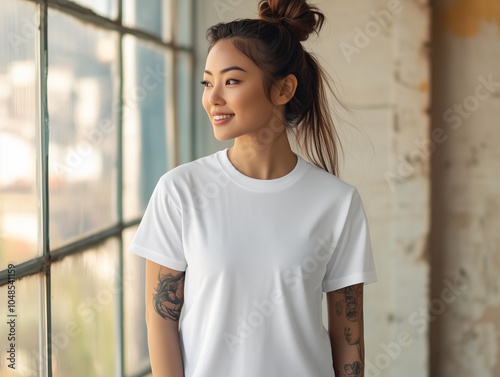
(465, 239)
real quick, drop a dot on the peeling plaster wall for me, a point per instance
(377, 53)
(465, 241)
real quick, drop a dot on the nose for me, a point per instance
(216, 97)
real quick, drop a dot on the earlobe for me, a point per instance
(287, 88)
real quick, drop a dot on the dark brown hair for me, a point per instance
(272, 42)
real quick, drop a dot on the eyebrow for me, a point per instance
(233, 68)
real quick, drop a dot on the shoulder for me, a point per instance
(327, 184)
(189, 181)
(189, 171)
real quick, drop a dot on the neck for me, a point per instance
(260, 159)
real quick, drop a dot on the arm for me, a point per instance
(345, 327)
(164, 300)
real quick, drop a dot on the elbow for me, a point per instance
(155, 322)
(152, 318)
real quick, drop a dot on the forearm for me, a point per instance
(346, 330)
(164, 349)
(347, 361)
(164, 300)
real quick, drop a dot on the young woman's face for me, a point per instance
(234, 91)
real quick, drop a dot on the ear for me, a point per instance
(284, 90)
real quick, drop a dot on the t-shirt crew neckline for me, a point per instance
(262, 184)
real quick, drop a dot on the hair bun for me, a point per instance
(299, 17)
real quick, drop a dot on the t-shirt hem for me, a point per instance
(365, 277)
(157, 258)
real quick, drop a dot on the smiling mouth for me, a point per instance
(221, 117)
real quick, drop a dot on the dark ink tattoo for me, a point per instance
(354, 313)
(351, 304)
(352, 370)
(169, 295)
(350, 335)
(360, 351)
(353, 337)
(338, 308)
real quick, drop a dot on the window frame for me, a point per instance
(42, 264)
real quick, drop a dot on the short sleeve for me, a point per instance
(159, 236)
(352, 259)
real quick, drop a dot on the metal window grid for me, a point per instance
(43, 264)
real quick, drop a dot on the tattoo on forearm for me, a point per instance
(352, 370)
(360, 348)
(353, 338)
(338, 308)
(169, 295)
(351, 303)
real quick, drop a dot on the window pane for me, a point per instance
(153, 16)
(19, 138)
(82, 93)
(136, 342)
(84, 297)
(184, 22)
(146, 115)
(107, 8)
(26, 329)
(184, 105)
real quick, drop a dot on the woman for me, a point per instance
(248, 239)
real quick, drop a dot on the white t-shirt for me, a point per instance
(258, 255)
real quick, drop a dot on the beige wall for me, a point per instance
(377, 53)
(431, 193)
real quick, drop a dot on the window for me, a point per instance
(95, 105)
